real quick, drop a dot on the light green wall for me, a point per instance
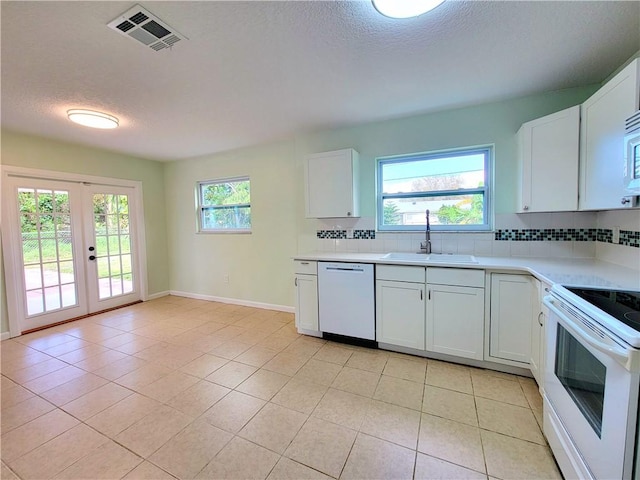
(35, 152)
(495, 123)
(258, 264)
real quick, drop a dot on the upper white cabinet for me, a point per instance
(514, 303)
(331, 184)
(400, 306)
(548, 160)
(601, 140)
(455, 312)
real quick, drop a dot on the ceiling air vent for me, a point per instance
(143, 26)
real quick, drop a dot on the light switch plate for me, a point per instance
(616, 235)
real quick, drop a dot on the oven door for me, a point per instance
(591, 391)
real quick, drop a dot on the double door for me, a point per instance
(70, 249)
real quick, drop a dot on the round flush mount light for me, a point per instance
(90, 118)
(404, 8)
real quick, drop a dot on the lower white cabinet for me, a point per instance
(306, 283)
(513, 309)
(455, 312)
(400, 299)
(400, 313)
(536, 361)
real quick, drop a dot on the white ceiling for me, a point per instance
(257, 71)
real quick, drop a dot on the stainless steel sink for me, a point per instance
(431, 258)
(406, 256)
(450, 258)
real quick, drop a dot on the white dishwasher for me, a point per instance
(346, 304)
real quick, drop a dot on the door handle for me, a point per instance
(92, 257)
(295, 281)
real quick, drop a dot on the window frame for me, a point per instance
(201, 208)
(486, 190)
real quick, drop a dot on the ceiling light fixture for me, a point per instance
(92, 119)
(404, 8)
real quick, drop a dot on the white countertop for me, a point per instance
(574, 271)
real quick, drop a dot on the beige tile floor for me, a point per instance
(185, 388)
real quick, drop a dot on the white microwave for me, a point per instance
(632, 155)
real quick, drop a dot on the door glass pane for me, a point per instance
(47, 251)
(50, 271)
(52, 298)
(583, 377)
(113, 244)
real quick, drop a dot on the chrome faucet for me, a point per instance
(426, 245)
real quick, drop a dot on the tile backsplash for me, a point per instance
(565, 235)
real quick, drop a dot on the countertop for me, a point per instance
(575, 271)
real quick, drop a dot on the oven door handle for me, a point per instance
(619, 354)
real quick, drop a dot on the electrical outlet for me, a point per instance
(349, 232)
(616, 235)
(226, 278)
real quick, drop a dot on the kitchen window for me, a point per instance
(454, 185)
(224, 205)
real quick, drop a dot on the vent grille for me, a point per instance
(144, 27)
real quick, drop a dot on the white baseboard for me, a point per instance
(234, 301)
(154, 296)
(5, 336)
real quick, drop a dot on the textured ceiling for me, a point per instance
(258, 71)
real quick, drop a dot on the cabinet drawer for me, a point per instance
(306, 266)
(456, 276)
(400, 273)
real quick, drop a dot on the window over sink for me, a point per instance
(454, 185)
(224, 205)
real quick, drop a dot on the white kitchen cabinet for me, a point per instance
(306, 283)
(513, 306)
(400, 306)
(536, 359)
(331, 184)
(602, 164)
(455, 312)
(548, 161)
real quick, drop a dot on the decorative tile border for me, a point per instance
(342, 234)
(364, 234)
(627, 237)
(605, 235)
(548, 234)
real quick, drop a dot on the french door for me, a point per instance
(70, 249)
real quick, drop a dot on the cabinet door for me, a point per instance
(455, 320)
(536, 336)
(331, 184)
(513, 301)
(549, 162)
(602, 163)
(307, 302)
(400, 313)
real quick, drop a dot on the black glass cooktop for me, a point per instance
(620, 304)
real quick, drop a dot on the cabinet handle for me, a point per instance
(304, 263)
(625, 200)
(420, 294)
(348, 214)
(429, 298)
(539, 322)
(295, 281)
(526, 207)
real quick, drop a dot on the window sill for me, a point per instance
(224, 232)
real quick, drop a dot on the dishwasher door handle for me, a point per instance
(344, 269)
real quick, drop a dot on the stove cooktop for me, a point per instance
(621, 304)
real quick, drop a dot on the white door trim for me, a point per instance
(8, 226)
